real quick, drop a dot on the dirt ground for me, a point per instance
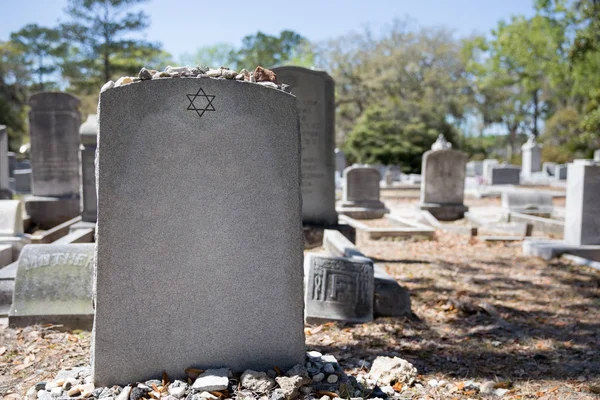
(482, 312)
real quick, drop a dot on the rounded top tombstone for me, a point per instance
(54, 101)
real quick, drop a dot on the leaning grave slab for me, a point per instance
(238, 197)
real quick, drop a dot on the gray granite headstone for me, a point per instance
(340, 161)
(204, 262)
(560, 172)
(54, 286)
(12, 164)
(396, 172)
(5, 192)
(314, 91)
(549, 168)
(11, 218)
(338, 288)
(54, 122)
(360, 197)
(505, 175)
(597, 155)
(532, 157)
(582, 209)
(443, 184)
(23, 181)
(88, 132)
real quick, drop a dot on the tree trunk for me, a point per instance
(536, 113)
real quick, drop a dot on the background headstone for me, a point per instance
(235, 210)
(23, 181)
(54, 122)
(338, 288)
(549, 168)
(597, 155)
(340, 161)
(560, 172)
(488, 164)
(360, 197)
(532, 157)
(475, 168)
(54, 286)
(443, 184)
(12, 164)
(505, 175)
(5, 192)
(528, 202)
(314, 91)
(88, 132)
(582, 209)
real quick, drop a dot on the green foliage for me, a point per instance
(220, 54)
(100, 32)
(270, 51)
(14, 91)
(43, 51)
(395, 135)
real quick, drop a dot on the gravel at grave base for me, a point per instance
(297, 383)
(261, 76)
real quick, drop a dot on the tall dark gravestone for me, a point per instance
(54, 122)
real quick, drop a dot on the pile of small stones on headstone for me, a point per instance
(260, 75)
(321, 377)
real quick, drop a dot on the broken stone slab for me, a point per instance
(338, 288)
(390, 299)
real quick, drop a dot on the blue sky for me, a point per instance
(182, 26)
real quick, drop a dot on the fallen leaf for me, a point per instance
(2, 350)
(503, 385)
(326, 393)
(22, 367)
(276, 368)
(398, 386)
(554, 389)
(193, 373)
(316, 329)
(218, 394)
(460, 386)
(165, 378)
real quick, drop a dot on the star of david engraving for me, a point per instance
(200, 97)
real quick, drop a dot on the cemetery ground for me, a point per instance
(488, 323)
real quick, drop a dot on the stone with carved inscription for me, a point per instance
(338, 288)
(54, 286)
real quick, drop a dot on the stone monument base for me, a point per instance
(548, 249)
(313, 234)
(47, 212)
(362, 210)
(445, 212)
(82, 225)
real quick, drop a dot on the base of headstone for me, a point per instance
(362, 210)
(82, 225)
(47, 212)
(62, 322)
(549, 249)
(313, 234)
(445, 212)
(390, 299)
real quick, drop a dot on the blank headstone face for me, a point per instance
(361, 184)
(197, 266)
(23, 181)
(488, 164)
(443, 179)
(316, 110)
(54, 285)
(54, 129)
(582, 209)
(597, 155)
(505, 175)
(532, 158)
(338, 288)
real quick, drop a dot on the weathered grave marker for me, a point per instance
(443, 184)
(532, 157)
(582, 218)
(54, 125)
(227, 291)
(54, 286)
(338, 288)
(505, 175)
(314, 91)
(5, 192)
(11, 218)
(360, 198)
(88, 132)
